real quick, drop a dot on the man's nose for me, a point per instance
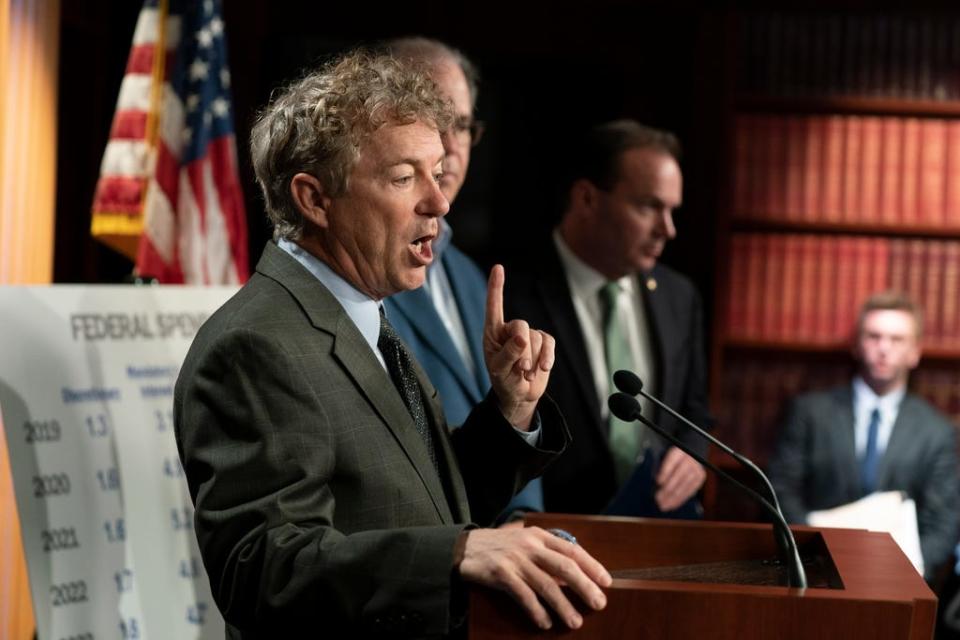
(433, 203)
(666, 224)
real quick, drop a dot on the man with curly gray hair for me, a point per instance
(442, 321)
(328, 490)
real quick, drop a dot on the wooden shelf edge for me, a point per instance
(743, 223)
(931, 352)
(848, 104)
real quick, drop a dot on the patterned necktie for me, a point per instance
(400, 366)
(624, 436)
(871, 457)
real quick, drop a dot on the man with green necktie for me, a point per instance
(597, 285)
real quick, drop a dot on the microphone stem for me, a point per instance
(796, 576)
(739, 458)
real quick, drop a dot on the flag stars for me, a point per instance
(193, 101)
(225, 78)
(205, 38)
(220, 107)
(208, 7)
(199, 70)
(207, 118)
(186, 136)
(216, 26)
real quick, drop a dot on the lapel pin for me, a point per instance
(652, 284)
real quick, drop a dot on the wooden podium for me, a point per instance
(680, 579)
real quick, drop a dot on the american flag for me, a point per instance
(169, 195)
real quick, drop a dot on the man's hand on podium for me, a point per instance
(532, 564)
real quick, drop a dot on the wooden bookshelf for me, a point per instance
(842, 179)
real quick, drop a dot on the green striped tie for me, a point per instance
(624, 436)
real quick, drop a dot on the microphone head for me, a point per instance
(624, 406)
(627, 381)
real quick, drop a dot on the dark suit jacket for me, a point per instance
(583, 479)
(317, 505)
(815, 465)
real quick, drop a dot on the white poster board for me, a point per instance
(86, 395)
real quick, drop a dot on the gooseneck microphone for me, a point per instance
(627, 408)
(630, 383)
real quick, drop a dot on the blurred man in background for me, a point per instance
(872, 435)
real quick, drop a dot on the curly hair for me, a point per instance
(317, 124)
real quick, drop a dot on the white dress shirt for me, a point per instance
(364, 311)
(438, 286)
(864, 402)
(361, 308)
(585, 284)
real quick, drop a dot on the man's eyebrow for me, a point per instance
(649, 198)
(413, 162)
(657, 202)
(399, 161)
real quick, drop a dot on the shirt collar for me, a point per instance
(442, 241)
(583, 278)
(888, 404)
(363, 310)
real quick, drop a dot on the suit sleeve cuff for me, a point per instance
(531, 436)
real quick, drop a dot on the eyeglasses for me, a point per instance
(467, 126)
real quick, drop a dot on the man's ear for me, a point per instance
(310, 198)
(583, 195)
(913, 360)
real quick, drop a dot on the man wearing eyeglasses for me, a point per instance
(442, 322)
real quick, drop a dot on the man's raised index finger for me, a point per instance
(495, 297)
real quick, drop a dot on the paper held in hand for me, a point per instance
(891, 512)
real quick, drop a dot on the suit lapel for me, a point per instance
(662, 333)
(555, 296)
(472, 314)
(418, 308)
(456, 491)
(901, 440)
(844, 443)
(356, 358)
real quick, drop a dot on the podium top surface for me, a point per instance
(734, 557)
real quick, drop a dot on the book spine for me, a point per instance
(828, 285)
(813, 168)
(933, 154)
(852, 163)
(891, 170)
(910, 173)
(833, 169)
(796, 147)
(772, 286)
(870, 171)
(845, 289)
(933, 292)
(949, 311)
(809, 279)
(952, 171)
